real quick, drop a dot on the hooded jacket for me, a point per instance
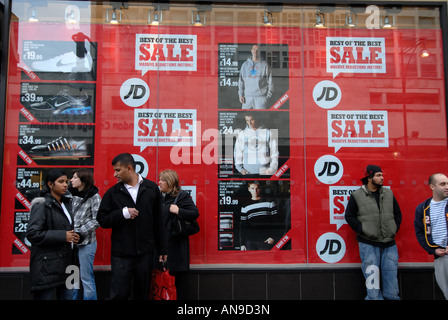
(256, 150)
(51, 254)
(255, 79)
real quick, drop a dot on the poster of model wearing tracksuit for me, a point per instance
(253, 76)
(253, 214)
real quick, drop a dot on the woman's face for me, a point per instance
(163, 186)
(59, 187)
(76, 182)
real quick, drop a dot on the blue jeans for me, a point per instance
(376, 261)
(86, 256)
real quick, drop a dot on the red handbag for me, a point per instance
(163, 285)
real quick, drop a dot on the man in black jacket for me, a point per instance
(132, 208)
(430, 223)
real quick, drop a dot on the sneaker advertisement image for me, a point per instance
(58, 102)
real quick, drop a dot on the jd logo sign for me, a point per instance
(328, 169)
(134, 92)
(330, 247)
(141, 166)
(327, 94)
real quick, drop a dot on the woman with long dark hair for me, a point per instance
(53, 239)
(86, 202)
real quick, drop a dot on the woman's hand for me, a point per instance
(174, 209)
(71, 236)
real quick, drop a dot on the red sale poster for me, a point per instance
(374, 97)
(269, 130)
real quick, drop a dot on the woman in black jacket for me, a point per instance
(53, 241)
(178, 261)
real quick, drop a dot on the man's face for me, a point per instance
(251, 122)
(255, 51)
(254, 189)
(440, 188)
(378, 179)
(122, 172)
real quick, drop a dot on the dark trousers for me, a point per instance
(58, 293)
(182, 285)
(131, 272)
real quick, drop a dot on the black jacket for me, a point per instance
(50, 252)
(179, 246)
(143, 234)
(422, 226)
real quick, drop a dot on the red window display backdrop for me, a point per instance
(341, 99)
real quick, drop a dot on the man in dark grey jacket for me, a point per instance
(132, 208)
(430, 223)
(374, 214)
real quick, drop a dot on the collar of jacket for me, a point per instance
(368, 192)
(145, 184)
(66, 199)
(85, 194)
(48, 200)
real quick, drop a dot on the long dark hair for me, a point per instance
(86, 177)
(51, 176)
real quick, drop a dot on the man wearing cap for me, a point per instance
(374, 214)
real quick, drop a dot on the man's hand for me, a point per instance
(440, 252)
(133, 213)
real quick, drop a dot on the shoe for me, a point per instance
(67, 62)
(60, 148)
(64, 103)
